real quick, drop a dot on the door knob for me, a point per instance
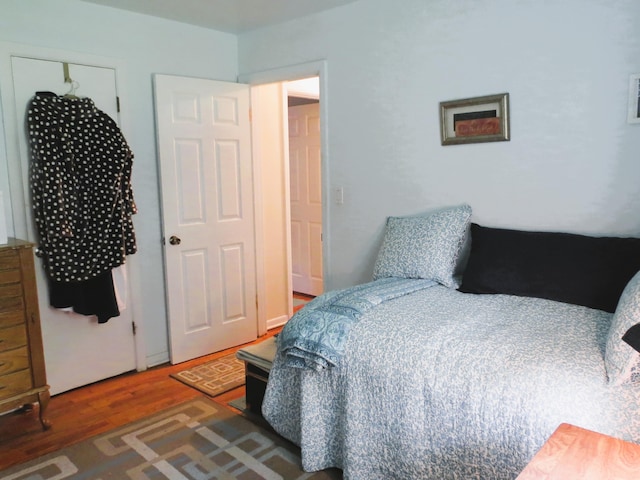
(173, 240)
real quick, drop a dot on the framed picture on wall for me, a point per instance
(475, 120)
(634, 99)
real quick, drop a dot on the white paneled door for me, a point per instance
(77, 349)
(204, 149)
(306, 198)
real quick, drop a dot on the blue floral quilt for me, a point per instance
(439, 384)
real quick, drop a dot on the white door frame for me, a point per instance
(284, 74)
(19, 196)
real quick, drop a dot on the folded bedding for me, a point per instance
(315, 336)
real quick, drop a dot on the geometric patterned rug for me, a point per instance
(214, 377)
(195, 440)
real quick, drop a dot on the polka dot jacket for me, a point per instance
(81, 187)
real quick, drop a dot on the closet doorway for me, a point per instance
(77, 349)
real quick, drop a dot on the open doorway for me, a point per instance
(305, 188)
(270, 140)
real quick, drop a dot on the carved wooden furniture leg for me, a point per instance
(43, 400)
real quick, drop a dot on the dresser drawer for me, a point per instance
(13, 317)
(10, 276)
(15, 383)
(9, 260)
(10, 290)
(11, 298)
(14, 360)
(11, 304)
(13, 337)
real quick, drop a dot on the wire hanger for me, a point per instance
(67, 79)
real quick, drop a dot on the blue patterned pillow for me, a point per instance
(424, 246)
(621, 361)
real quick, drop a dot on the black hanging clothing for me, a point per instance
(81, 188)
(95, 296)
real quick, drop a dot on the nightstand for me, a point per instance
(573, 453)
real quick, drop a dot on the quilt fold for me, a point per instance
(315, 336)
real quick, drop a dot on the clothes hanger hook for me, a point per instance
(72, 90)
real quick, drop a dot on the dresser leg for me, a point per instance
(43, 400)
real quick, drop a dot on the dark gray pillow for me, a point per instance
(570, 268)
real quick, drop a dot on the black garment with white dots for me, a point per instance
(81, 188)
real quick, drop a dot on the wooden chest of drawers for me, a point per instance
(23, 379)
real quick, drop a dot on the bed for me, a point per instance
(423, 373)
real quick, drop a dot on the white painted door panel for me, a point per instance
(77, 349)
(204, 148)
(306, 198)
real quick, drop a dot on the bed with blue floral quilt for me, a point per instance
(462, 376)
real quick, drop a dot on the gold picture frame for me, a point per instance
(634, 99)
(475, 120)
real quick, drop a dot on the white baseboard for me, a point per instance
(156, 359)
(277, 321)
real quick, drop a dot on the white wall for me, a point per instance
(145, 46)
(572, 163)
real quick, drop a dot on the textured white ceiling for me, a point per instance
(232, 16)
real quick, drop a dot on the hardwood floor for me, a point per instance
(84, 412)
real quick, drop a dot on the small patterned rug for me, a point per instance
(214, 377)
(198, 439)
